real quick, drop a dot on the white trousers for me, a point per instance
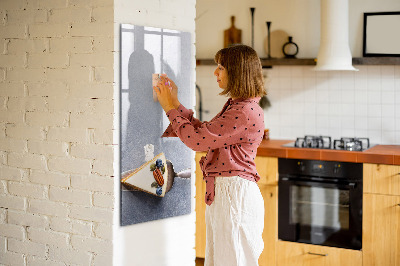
(234, 223)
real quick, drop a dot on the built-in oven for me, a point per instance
(320, 202)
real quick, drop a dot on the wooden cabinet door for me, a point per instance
(200, 209)
(298, 254)
(381, 179)
(270, 233)
(381, 230)
(267, 168)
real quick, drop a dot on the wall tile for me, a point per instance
(374, 83)
(348, 95)
(347, 109)
(374, 97)
(375, 136)
(322, 109)
(397, 123)
(361, 123)
(348, 132)
(388, 110)
(361, 110)
(374, 123)
(322, 95)
(387, 71)
(347, 122)
(374, 110)
(310, 109)
(388, 124)
(335, 95)
(388, 84)
(388, 97)
(389, 136)
(364, 103)
(322, 121)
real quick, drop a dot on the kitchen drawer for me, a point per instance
(293, 254)
(267, 168)
(381, 179)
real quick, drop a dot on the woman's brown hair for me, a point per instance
(245, 78)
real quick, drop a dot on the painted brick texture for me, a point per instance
(56, 127)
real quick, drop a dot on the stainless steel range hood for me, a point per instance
(334, 52)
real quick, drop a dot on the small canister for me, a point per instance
(266, 134)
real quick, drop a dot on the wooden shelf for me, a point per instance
(288, 62)
(376, 61)
(312, 61)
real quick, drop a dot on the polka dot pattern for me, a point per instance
(231, 139)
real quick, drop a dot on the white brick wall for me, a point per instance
(56, 127)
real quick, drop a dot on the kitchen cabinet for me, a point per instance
(381, 230)
(267, 168)
(381, 179)
(381, 221)
(200, 209)
(270, 233)
(298, 254)
(381, 215)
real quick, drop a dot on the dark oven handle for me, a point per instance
(314, 183)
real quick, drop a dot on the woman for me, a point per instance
(235, 207)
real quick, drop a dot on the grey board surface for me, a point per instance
(148, 207)
(144, 51)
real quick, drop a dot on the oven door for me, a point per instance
(315, 211)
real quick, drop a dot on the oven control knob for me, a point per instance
(336, 169)
(302, 167)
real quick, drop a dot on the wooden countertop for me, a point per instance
(379, 154)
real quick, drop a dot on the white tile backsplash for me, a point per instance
(388, 97)
(387, 110)
(374, 97)
(374, 110)
(388, 83)
(364, 103)
(361, 110)
(322, 95)
(387, 71)
(361, 125)
(348, 95)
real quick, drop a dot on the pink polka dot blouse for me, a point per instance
(231, 139)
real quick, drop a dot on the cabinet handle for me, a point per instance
(318, 254)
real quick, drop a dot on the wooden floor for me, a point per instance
(199, 262)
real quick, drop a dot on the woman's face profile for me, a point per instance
(222, 76)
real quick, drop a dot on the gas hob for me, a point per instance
(325, 142)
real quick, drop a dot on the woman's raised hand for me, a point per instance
(174, 92)
(164, 94)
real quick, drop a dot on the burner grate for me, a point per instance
(351, 144)
(324, 142)
(320, 142)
